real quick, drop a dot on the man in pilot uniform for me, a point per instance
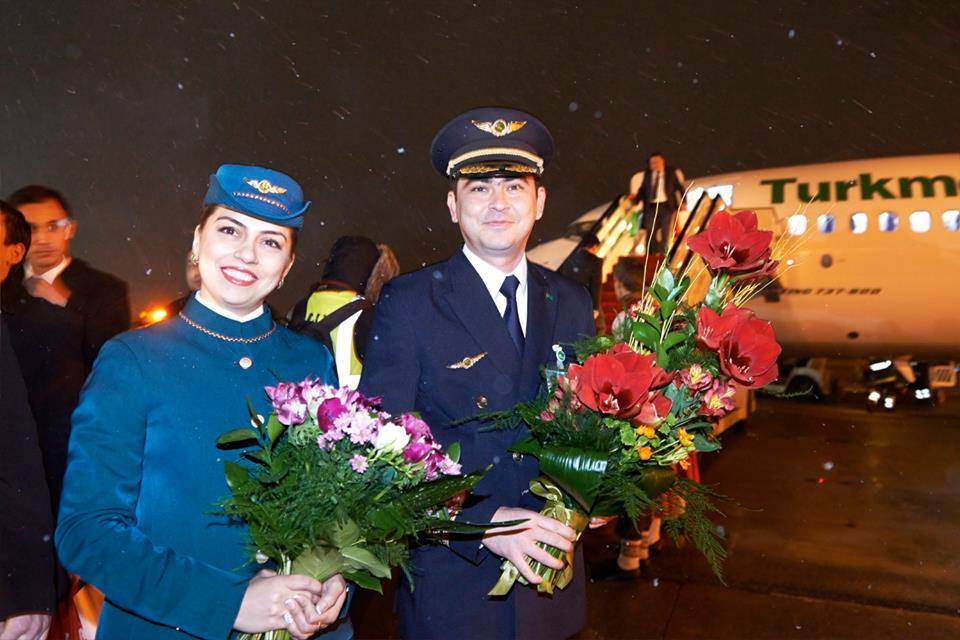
(468, 336)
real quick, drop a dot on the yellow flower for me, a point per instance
(645, 452)
(696, 374)
(646, 431)
(685, 438)
(685, 464)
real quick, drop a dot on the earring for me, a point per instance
(194, 260)
(280, 284)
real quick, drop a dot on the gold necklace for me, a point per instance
(220, 336)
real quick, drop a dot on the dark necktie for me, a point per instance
(511, 316)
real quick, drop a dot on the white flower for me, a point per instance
(392, 437)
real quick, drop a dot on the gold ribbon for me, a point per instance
(552, 578)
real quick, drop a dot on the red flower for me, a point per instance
(617, 383)
(714, 328)
(750, 354)
(746, 346)
(655, 409)
(732, 242)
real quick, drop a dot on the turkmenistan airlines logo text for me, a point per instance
(868, 187)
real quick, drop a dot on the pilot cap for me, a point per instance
(492, 142)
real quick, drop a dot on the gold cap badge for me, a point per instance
(500, 127)
(264, 186)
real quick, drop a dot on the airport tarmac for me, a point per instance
(846, 527)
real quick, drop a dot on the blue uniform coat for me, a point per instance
(138, 513)
(425, 322)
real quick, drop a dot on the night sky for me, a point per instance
(127, 107)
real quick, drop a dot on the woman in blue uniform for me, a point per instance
(138, 518)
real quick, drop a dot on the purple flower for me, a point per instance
(359, 463)
(438, 462)
(288, 403)
(416, 427)
(328, 411)
(362, 428)
(450, 468)
(416, 451)
(335, 434)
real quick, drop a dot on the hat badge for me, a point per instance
(499, 127)
(264, 186)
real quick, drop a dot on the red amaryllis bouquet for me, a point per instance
(612, 429)
(333, 484)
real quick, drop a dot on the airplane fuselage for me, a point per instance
(878, 248)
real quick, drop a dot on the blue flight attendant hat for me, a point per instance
(262, 193)
(492, 141)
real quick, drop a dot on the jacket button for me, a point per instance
(517, 457)
(481, 402)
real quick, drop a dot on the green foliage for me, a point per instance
(301, 502)
(621, 494)
(244, 435)
(717, 292)
(705, 444)
(579, 472)
(591, 345)
(695, 525)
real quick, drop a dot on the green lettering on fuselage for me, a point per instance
(822, 195)
(777, 188)
(870, 188)
(926, 186)
(843, 187)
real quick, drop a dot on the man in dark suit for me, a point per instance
(659, 191)
(468, 336)
(48, 341)
(52, 274)
(27, 585)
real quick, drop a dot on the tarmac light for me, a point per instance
(874, 396)
(888, 402)
(153, 316)
(922, 394)
(880, 366)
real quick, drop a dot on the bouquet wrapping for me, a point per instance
(612, 429)
(333, 484)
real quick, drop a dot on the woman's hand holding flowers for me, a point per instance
(277, 602)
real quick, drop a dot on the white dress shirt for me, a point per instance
(50, 274)
(660, 193)
(493, 280)
(213, 306)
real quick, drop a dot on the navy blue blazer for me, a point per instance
(425, 322)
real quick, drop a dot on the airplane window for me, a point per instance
(920, 221)
(951, 220)
(826, 223)
(887, 221)
(725, 191)
(797, 224)
(692, 196)
(858, 222)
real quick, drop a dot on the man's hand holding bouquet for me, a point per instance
(611, 430)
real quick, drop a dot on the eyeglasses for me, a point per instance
(52, 226)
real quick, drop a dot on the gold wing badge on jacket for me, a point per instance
(467, 362)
